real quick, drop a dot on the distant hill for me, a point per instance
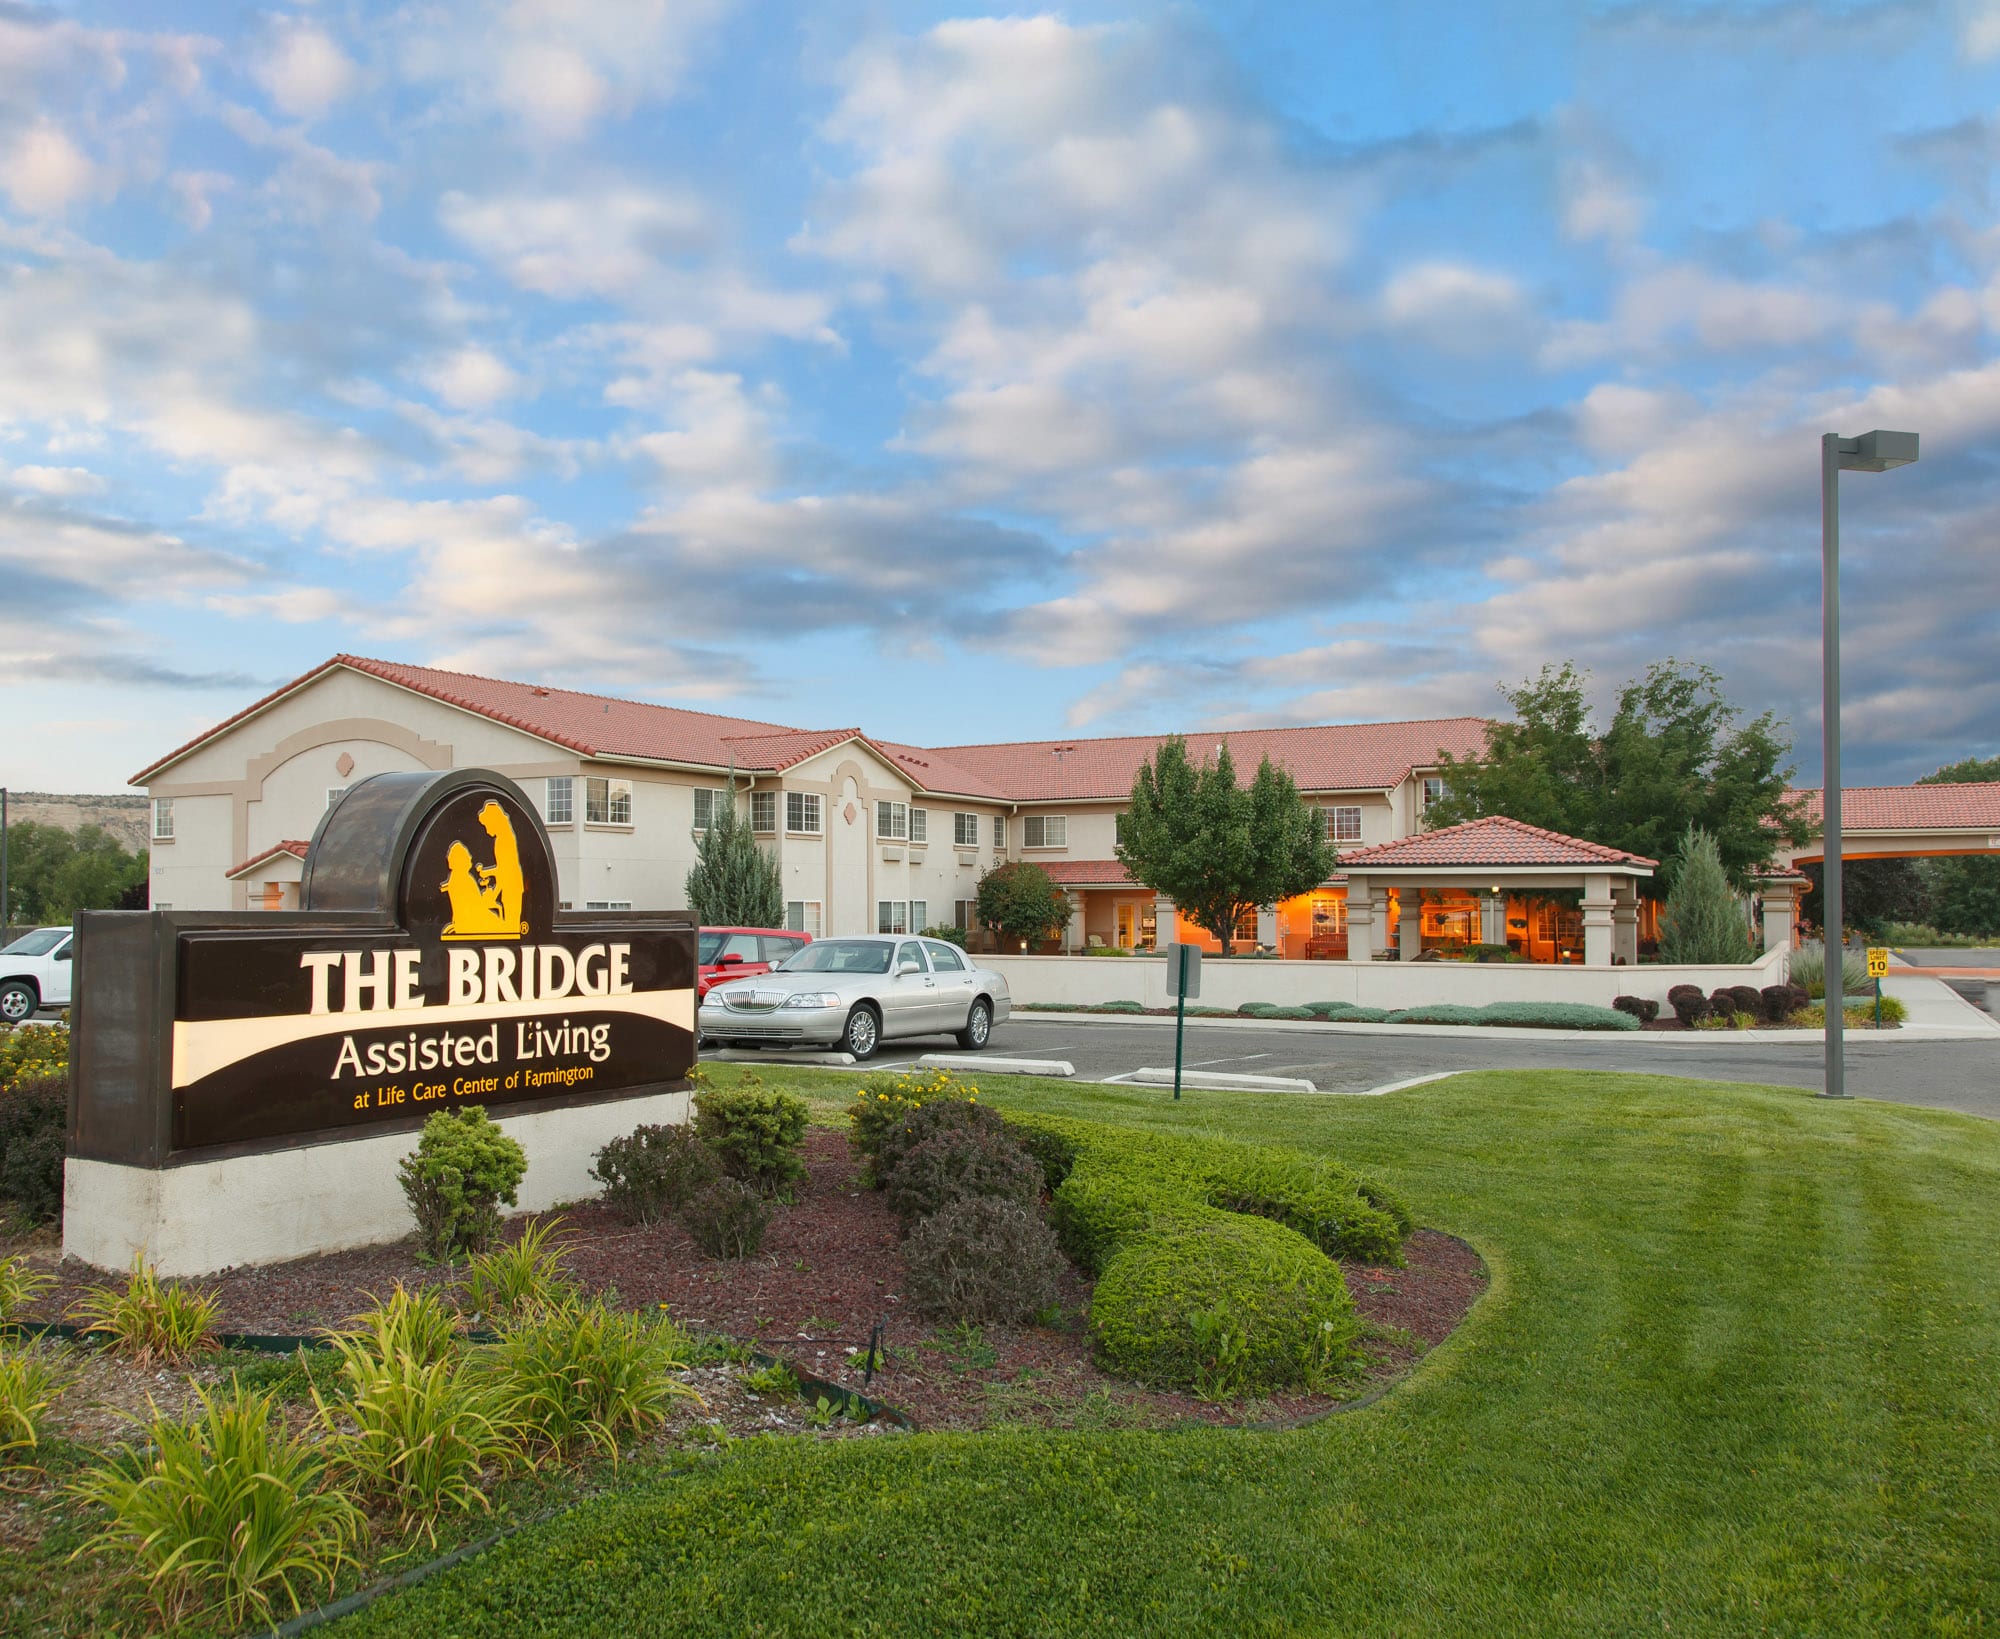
(126, 817)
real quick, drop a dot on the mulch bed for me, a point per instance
(830, 1270)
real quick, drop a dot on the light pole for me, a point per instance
(1876, 451)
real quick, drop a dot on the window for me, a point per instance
(707, 804)
(892, 916)
(607, 904)
(892, 822)
(333, 794)
(607, 802)
(965, 914)
(920, 825)
(162, 905)
(163, 819)
(1045, 831)
(559, 800)
(999, 830)
(1341, 824)
(1118, 828)
(716, 944)
(920, 915)
(802, 812)
(912, 952)
(945, 958)
(777, 947)
(802, 915)
(763, 810)
(965, 830)
(1433, 790)
(1246, 925)
(565, 904)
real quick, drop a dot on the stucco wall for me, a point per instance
(1372, 984)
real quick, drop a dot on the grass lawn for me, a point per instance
(1738, 1371)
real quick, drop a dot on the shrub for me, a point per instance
(1228, 1307)
(728, 1219)
(29, 1385)
(755, 1132)
(19, 1287)
(34, 1137)
(150, 1322)
(582, 1371)
(1859, 1016)
(1748, 1000)
(954, 1164)
(1493, 953)
(928, 1121)
(1808, 970)
(1721, 1004)
(1288, 1013)
(416, 1434)
(1436, 1013)
(1780, 1002)
(649, 1172)
(1105, 950)
(1257, 1010)
(1360, 1015)
(1558, 1016)
(1642, 1008)
(224, 1513)
(884, 1100)
(1051, 1150)
(418, 1325)
(30, 1051)
(951, 936)
(1676, 992)
(1121, 1006)
(983, 1258)
(528, 1273)
(456, 1179)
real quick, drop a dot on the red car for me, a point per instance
(733, 953)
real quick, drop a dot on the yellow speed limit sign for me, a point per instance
(1878, 961)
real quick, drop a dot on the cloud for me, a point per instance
(45, 172)
(1456, 308)
(62, 481)
(470, 379)
(598, 241)
(304, 72)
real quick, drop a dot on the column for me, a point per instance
(1625, 921)
(1777, 915)
(1267, 927)
(1166, 922)
(1597, 906)
(1362, 929)
(1493, 919)
(1380, 901)
(1073, 938)
(1410, 929)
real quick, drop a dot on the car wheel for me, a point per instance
(978, 1026)
(863, 1033)
(18, 1001)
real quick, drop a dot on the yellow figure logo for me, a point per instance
(486, 899)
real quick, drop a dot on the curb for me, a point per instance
(1489, 1032)
(1001, 1066)
(1219, 1081)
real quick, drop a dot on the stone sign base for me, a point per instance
(203, 1216)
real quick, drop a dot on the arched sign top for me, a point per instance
(459, 856)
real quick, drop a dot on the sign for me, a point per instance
(1878, 962)
(429, 968)
(1183, 970)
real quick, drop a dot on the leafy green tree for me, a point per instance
(1021, 902)
(1962, 895)
(1217, 848)
(1873, 893)
(53, 873)
(1674, 755)
(735, 883)
(1703, 920)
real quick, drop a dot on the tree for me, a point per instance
(734, 883)
(1022, 903)
(1217, 848)
(1703, 920)
(1962, 895)
(1873, 893)
(53, 873)
(1674, 755)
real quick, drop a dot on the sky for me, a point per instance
(966, 376)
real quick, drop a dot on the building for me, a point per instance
(870, 835)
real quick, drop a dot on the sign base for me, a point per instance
(200, 1217)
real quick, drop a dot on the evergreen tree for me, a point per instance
(1218, 849)
(734, 883)
(1703, 920)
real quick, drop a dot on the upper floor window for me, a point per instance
(763, 810)
(1118, 828)
(1045, 831)
(920, 825)
(892, 823)
(1434, 790)
(965, 830)
(559, 799)
(999, 830)
(1341, 824)
(802, 812)
(163, 819)
(607, 801)
(333, 794)
(803, 915)
(707, 804)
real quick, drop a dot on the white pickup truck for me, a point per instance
(34, 973)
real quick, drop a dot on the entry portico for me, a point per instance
(1495, 860)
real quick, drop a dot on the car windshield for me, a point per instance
(38, 943)
(839, 956)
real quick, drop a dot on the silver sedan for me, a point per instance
(855, 993)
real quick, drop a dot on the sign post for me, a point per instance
(1878, 964)
(1184, 979)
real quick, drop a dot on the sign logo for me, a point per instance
(486, 900)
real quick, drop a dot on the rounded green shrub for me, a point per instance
(1257, 1010)
(983, 1258)
(1564, 1015)
(650, 1171)
(1228, 1307)
(1435, 1013)
(755, 1132)
(456, 1180)
(925, 1122)
(1119, 1007)
(727, 1219)
(1286, 1013)
(954, 1164)
(34, 1126)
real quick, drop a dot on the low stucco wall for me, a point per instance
(249, 1209)
(1233, 982)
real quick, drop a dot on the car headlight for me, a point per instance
(813, 998)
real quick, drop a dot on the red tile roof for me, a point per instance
(293, 847)
(1328, 757)
(1912, 807)
(1086, 873)
(1492, 840)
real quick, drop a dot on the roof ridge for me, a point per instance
(1168, 734)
